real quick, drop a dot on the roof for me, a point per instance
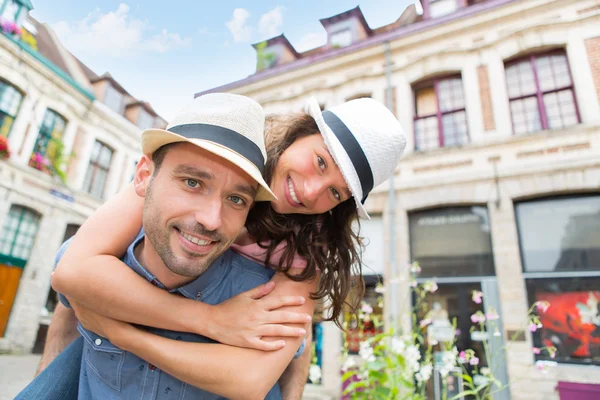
(406, 25)
(108, 77)
(47, 46)
(355, 12)
(143, 104)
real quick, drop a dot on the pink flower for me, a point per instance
(536, 350)
(477, 296)
(474, 361)
(532, 327)
(458, 332)
(478, 317)
(367, 309)
(492, 315)
(413, 284)
(542, 306)
(425, 322)
(462, 357)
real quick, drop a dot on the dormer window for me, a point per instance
(113, 99)
(15, 10)
(145, 120)
(439, 8)
(341, 38)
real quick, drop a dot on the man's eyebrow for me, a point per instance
(247, 189)
(192, 171)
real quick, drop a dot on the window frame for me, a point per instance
(141, 112)
(439, 114)
(94, 166)
(10, 258)
(45, 133)
(4, 114)
(110, 87)
(539, 94)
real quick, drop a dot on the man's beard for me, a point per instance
(191, 266)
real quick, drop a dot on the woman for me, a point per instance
(306, 235)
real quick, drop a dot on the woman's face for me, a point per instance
(307, 180)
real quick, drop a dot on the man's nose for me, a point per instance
(210, 215)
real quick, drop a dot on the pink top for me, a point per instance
(256, 253)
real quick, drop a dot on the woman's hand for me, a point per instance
(248, 318)
(109, 328)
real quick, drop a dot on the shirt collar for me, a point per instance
(193, 290)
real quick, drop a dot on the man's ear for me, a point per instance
(143, 175)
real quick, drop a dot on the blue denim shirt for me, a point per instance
(108, 372)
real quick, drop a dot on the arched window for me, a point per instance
(440, 115)
(51, 129)
(540, 92)
(10, 102)
(18, 235)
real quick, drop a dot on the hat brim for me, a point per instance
(339, 154)
(152, 139)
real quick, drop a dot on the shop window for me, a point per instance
(359, 330)
(453, 241)
(18, 236)
(560, 253)
(97, 172)
(540, 92)
(440, 114)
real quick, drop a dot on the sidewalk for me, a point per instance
(15, 373)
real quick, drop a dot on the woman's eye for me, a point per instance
(191, 183)
(336, 194)
(237, 200)
(321, 162)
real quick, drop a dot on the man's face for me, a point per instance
(195, 205)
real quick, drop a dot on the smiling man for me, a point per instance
(198, 180)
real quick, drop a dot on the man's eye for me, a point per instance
(237, 200)
(192, 183)
(321, 162)
(336, 194)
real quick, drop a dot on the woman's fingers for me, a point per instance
(276, 330)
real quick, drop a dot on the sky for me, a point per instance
(165, 51)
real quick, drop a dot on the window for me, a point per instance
(10, 10)
(10, 101)
(441, 119)
(341, 38)
(560, 252)
(97, 172)
(560, 234)
(452, 241)
(52, 128)
(360, 330)
(373, 256)
(18, 235)
(145, 120)
(540, 92)
(113, 99)
(439, 8)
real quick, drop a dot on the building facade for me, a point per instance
(69, 139)
(498, 191)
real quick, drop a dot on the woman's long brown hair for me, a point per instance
(327, 241)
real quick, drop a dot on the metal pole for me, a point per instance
(394, 278)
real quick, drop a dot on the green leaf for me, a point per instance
(467, 378)
(347, 375)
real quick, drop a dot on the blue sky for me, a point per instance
(165, 51)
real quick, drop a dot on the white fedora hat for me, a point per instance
(366, 141)
(228, 125)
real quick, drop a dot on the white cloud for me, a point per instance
(270, 23)
(115, 34)
(237, 25)
(310, 41)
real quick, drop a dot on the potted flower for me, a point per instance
(4, 150)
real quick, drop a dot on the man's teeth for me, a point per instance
(292, 191)
(195, 240)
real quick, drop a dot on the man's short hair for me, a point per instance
(159, 155)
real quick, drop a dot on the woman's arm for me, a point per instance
(241, 373)
(90, 274)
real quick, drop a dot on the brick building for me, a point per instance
(73, 138)
(499, 187)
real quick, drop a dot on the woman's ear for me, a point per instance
(143, 174)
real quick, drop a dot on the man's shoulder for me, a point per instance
(61, 251)
(248, 266)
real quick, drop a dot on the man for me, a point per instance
(199, 179)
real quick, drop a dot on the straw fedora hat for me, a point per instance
(228, 125)
(366, 141)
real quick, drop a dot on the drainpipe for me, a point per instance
(394, 277)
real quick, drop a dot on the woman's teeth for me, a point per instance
(292, 191)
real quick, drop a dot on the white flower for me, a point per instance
(397, 345)
(314, 373)
(366, 351)
(379, 289)
(412, 355)
(349, 363)
(424, 373)
(485, 371)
